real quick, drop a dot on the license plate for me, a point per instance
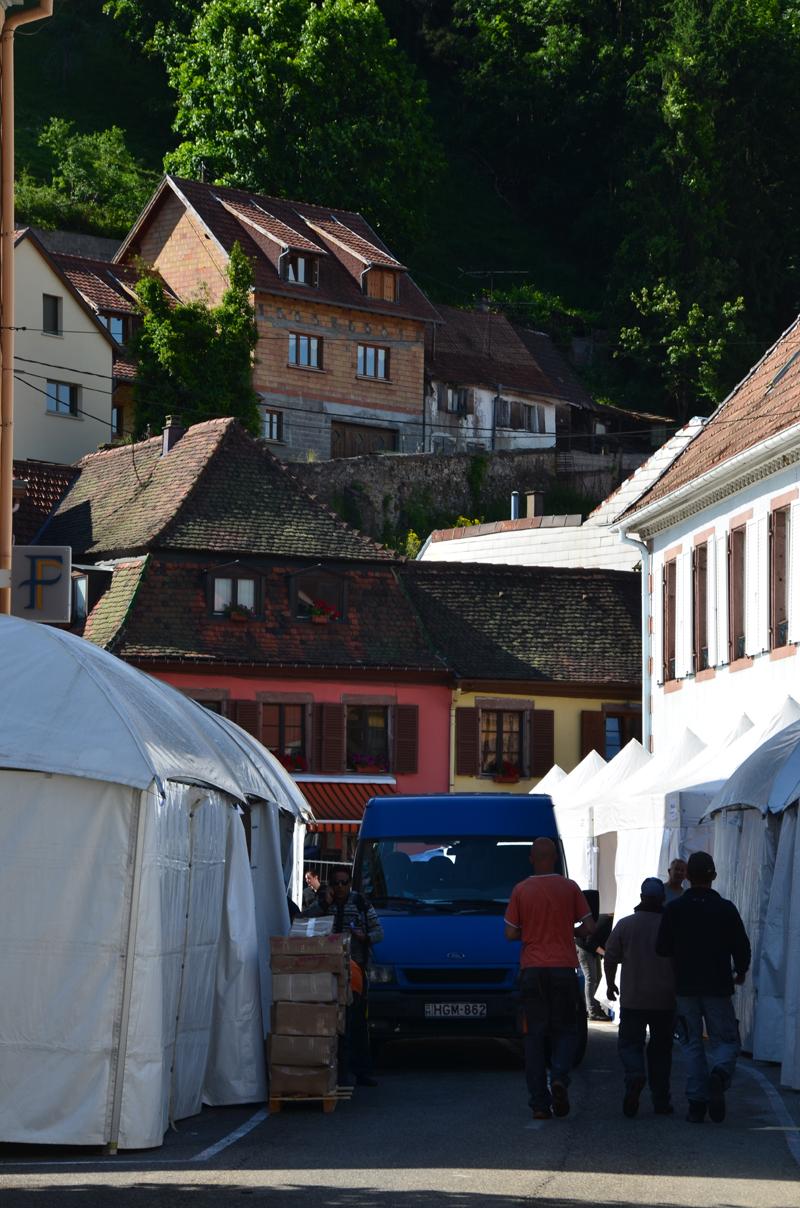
(454, 1010)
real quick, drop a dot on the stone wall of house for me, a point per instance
(386, 495)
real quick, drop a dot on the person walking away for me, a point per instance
(704, 936)
(676, 875)
(542, 912)
(647, 1001)
(352, 912)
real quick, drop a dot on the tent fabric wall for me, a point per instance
(271, 909)
(66, 854)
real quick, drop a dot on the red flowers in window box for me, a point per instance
(321, 612)
(294, 763)
(506, 773)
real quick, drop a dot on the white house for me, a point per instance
(720, 534)
(484, 389)
(63, 363)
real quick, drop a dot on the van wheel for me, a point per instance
(583, 1037)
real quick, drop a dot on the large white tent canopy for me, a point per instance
(129, 957)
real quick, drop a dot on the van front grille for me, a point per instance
(456, 977)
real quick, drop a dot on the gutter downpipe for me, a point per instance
(647, 728)
(9, 26)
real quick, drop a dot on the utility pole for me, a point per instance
(9, 23)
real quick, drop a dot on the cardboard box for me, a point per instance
(307, 1019)
(302, 1050)
(309, 962)
(301, 1080)
(316, 945)
(305, 987)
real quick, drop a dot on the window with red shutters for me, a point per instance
(669, 577)
(406, 739)
(700, 606)
(737, 542)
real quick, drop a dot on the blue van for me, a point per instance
(439, 871)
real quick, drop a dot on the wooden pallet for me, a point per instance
(328, 1102)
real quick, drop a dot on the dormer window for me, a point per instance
(233, 594)
(116, 326)
(300, 269)
(381, 283)
(317, 594)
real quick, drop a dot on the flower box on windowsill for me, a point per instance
(239, 614)
(506, 779)
(319, 619)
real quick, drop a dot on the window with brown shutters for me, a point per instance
(542, 741)
(669, 576)
(467, 742)
(593, 732)
(778, 587)
(247, 714)
(700, 606)
(381, 283)
(406, 740)
(329, 734)
(737, 542)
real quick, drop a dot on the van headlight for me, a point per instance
(381, 975)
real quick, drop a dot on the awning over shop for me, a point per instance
(339, 805)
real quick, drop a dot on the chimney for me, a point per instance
(515, 505)
(534, 503)
(173, 431)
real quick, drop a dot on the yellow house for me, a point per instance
(546, 663)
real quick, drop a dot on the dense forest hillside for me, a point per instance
(622, 171)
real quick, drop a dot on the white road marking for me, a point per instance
(231, 1138)
(790, 1130)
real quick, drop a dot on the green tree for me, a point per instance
(683, 344)
(305, 100)
(196, 360)
(94, 181)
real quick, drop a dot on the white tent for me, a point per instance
(550, 782)
(129, 989)
(575, 815)
(757, 853)
(571, 784)
(636, 817)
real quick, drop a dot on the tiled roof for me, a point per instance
(171, 621)
(644, 476)
(47, 483)
(363, 249)
(217, 489)
(764, 403)
(105, 286)
(563, 382)
(260, 218)
(222, 210)
(473, 348)
(341, 802)
(111, 611)
(506, 526)
(553, 624)
(124, 368)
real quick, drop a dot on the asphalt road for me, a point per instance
(448, 1127)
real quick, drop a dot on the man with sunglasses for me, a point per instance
(352, 912)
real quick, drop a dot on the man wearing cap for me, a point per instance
(543, 912)
(704, 936)
(647, 1001)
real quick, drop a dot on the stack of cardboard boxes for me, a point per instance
(310, 991)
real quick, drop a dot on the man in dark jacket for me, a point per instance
(705, 937)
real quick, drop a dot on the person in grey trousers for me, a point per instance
(647, 1002)
(704, 936)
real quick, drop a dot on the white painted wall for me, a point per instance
(477, 427)
(711, 706)
(74, 357)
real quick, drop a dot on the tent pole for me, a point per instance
(129, 955)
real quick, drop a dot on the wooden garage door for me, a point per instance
(351, 440)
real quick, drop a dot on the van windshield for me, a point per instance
(473, 873)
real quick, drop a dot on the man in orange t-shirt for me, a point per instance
(542, 912)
